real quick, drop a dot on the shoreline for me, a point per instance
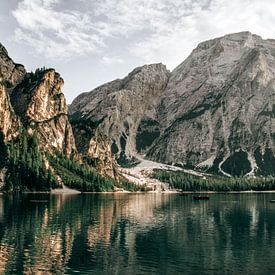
(76, 192)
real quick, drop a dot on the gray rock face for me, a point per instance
(214, 111)
(39, 102)
(219, 107)
(123, 109)
(10, 72)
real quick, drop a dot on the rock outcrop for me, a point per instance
(10, 75)
(124, 110)
(35, 100)
(33, 103)
(215, 111)
(9, 122)
(39, 102)
(219, 107)
(10, 72)
(94, 148)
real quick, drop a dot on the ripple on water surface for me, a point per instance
(137, 234)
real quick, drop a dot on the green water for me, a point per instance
(137, 234)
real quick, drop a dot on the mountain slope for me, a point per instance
(39, 102)
(124, 110)
(218, 107)
(215, 111)
(37, 144)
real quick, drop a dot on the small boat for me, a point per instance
(200, 198)
(272, 201)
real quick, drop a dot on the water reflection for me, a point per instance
(137, 234)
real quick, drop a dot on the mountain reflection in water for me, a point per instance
(137, 234)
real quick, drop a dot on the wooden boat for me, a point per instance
(200, 198)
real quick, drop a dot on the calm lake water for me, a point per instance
(137, 234)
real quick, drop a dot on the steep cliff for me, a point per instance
(215, 111)
(10, 75)
(124, 110)
(218, 107)
(37, 145)
(94, 148)
(10, 72)
(39, 102)
(9, 122)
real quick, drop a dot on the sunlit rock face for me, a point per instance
(214, 111)
(35, 101)
(9, 122)
(218, 107)
(121, 109)
(10, 75)
(99, 150)
(94, 148)
(40, 103)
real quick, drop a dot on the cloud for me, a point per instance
(150, 30)
(107, 60)
(56, 34)
(219, 17)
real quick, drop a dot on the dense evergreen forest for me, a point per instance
(26, 171)
(25, 166)
(85, 178)
(187, 182)
(79, 176)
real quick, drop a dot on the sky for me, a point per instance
(91, 42)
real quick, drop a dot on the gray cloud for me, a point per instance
(154, 30)
(56, 34)
(105, 39)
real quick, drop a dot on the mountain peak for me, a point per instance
(3, 50)
(209, 109)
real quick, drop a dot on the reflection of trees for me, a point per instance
(136, 232)
(214, 236)
(39, 242)
(39, 237)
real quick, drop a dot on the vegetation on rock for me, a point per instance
(26, 166)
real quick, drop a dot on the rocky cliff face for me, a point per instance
(214, 111)
(39, 102)
(10, 72)
(219, 107)
(35, 102)
(124, 110)
(10, 75)
(9, 122)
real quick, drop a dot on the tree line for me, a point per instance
(187, 182)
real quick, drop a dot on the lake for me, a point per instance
(137, 234)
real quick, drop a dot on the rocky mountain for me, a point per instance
(215, 111)
(124, 110)
(36, 138)
(9, 122)
(36, 101)
(39, 102)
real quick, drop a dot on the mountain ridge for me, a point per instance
(209, 111)
(37, 143)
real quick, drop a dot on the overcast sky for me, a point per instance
(91, 42)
